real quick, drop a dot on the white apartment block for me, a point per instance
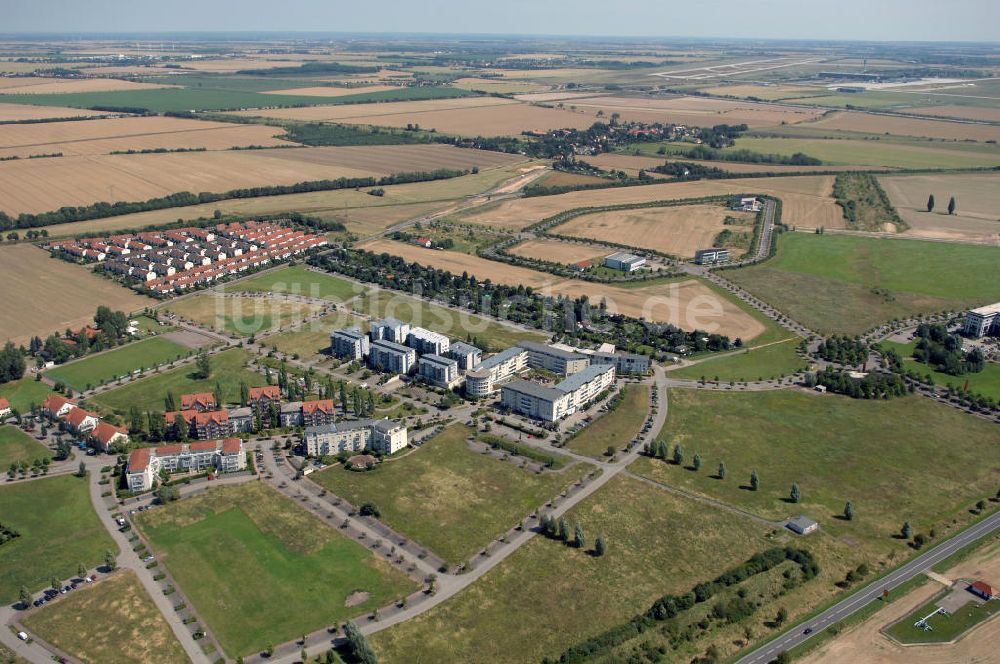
(390, 356)
(483, 380)
(556, 360)
(426, 342)
(390, 329)
(554, 403)
(467, 355)
(437, 370)
(383, 436)
(350, 343)
(145, 464)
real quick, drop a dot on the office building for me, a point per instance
(984, 321)
(624, 261)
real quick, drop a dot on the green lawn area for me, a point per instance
(260, 570)
(115, 610)
(839, 283)
(873, 453)
(109, 365)
(615, 428)
(24, 392)
(547, 596)
(228, 369)
(313, 338)
(986, 382)
(488, 334)
(15, 445)
(59, 530)
(243, 316)
(448, 498)
(943, 627)
(298, 280)
(770, 361)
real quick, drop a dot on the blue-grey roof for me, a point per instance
(580, 378)
(462, 348)
(534, 390)
(623, 257)
(389, 322)
(545, 349)
(391, 345)
(501, 357)
(438, 360)
(354, 333)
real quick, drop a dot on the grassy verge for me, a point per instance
(616, 428)
(111, 364)
(15, 445)
(760, 363)
(298, 280)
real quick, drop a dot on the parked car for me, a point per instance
(23, 636)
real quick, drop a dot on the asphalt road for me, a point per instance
(872, 592)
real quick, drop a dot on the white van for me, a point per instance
(22, 635)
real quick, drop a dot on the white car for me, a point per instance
(22, 636)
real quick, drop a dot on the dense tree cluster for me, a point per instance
(874, 385)
(704, 153)
(12, 364)
(843, 350)
(943, 351)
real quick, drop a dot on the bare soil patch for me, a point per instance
(977, 215)
(355, 598)
(557, 251)
(899, 126)
(189, 338)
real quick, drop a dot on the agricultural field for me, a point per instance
(689, 304)
(21, 112)
(228, 370)
(838, 283)
(16, 446)
(27, 185)
(113, 621)
(71, 294)
(765, 92)
(313, 338)
(214, 542)
(59, 530)
(764, 362)
(486, 333)
(616, 428)
(242, 316)
(954, 111)
(677, 230)
(643, 157)
(977, 212)
(24, 392)
(985, 382)
(109, 365)
(93, 137)
(497, 85)
(558, 251)
(697, 111)
(298, 280)
(360, 212)
(450, 499)
(547, 596)
(825, 444)
(564, 179)
(806, 200)
(42, 86)
(884, 124)
(331, 91)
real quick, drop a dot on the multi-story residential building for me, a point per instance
(553, 403)
(494, 370)
(426, 342)
(625, 363)
(200, 401)
(81, 421)
(983, 321)
(556, 360)
(5, 408)
(261, 398)
(390, 329)
(201, 425)
(351, 343)
(390, 356)
(383, 436)
(145, 464)
(241, 420)
(105, 436)
(291, 414)
(318, 412)
(56, 405)
(437, 370)
(467, 355)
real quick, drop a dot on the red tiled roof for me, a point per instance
(270, 391)
(204, 446)
(320, 405)
(139, 460)
(56, 401)
(204, 399)
(218, 416)
(231, 445)
(76, 416)
(984, 588)
(169, 450)
(4, 404)
(105, 431)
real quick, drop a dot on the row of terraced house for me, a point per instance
(84, 424)
(166, 262)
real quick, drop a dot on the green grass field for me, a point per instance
(873, 453)
(15, 445)
(615, 428)
(771, 361)
(986, 382)
(943, 627)
(228, 369)
(108, 366)
(24, 392)
(547, 596)
(839, 283)
(298, 280)
(115, 610)
(260, 570)
(242, 316)
(459, 325)
(313, 338)
(59, 530)
(448, 498)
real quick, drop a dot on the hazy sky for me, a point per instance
(894, 20)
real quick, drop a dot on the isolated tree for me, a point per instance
(563, 530)
(906, 531)
(579, 540)
(55, 583)
(600, 546)
(678, 455)
(661, 450)
(722, 471)
(109, 560)
(754, 481)
(81, 570)
(81, 470)
(244, 394)
(696, 462)
(781, 616)
(180, 428)
(951, 205)
(357, 645)
(204, 365)
(12, 365)
(849, 511)
(795, 495)
(169, 403)
(25, 596)
(217, 393)
(930, 203)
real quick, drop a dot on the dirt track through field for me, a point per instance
(688, 304)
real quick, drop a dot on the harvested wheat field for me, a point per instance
(678, 230)
(968, 112)
(977, 212)
(330, 91)
(807, 200)
(18, 112)
(632, 164)
(466, 116)
(553, 96)
(36, 86)
(898, 126)
(687, 304)
(104, 136)
(698, 111)
(501, 85)
(38, 185)
(557, 251)
(42, 295)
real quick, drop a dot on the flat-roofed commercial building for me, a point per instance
(390, 356)
(553, 403)
(350, 343)
(426, 342)
(709, 256)
(556, 360)
(624, 261)
(440, 371)
(983, 321)
(385, 436)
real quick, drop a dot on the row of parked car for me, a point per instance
(52, 593)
